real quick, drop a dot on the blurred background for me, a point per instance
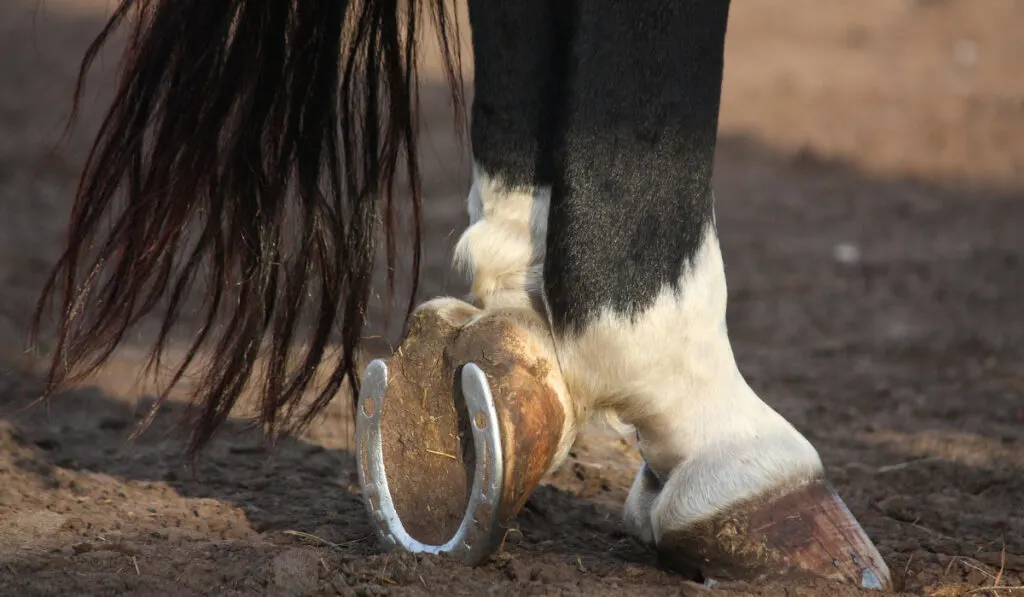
(870, 197)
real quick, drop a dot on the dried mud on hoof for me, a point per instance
(800, 533)
(462, 425)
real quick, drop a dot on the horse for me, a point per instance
(253, 150)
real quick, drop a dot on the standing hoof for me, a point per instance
(805, 531)
(454, 432)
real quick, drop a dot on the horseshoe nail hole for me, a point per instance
(369, 407)
(480, 419)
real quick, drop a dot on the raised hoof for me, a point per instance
(803, 532)
(453, 433)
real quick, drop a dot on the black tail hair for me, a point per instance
(251, 149)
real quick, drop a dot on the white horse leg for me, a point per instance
(636, 287)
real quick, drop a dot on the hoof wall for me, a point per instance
(803, 532)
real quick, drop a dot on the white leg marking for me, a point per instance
(670, 372)
(502, 251)
(456, 312)
(636, 513)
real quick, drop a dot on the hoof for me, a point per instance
(803, 532)
(454, 432)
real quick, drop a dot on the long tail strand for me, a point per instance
(249, 157)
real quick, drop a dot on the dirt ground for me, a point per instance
(870, 189)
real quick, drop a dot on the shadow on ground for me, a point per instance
(880, 315)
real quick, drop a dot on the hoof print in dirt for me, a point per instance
(454, 432)
(803, 532)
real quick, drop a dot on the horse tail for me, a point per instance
(249, 157)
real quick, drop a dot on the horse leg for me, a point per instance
(635, 283)
(519, 51)
(419, 441)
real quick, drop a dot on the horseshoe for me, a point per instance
(479, 533)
